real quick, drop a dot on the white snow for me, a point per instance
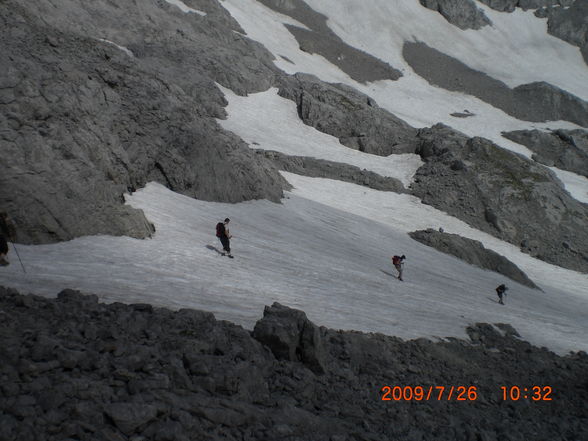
(180, 4)
(331, 263)
(122, 48)
(406, 213)
(269, 122)
(575, 184)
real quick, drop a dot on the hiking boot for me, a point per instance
(4, 262)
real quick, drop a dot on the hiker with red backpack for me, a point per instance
(222, 232)
(398, 261)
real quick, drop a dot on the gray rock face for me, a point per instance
(351, 116)
(319, 168)
(503, 194)
(541, 101)
(569, 24)
(511, 5)
(466, 15)
(473, 252)
(129, 417)
(462, 13)
(538, 101)
(359, 65)
(291, 336)
(154, 374)
(81, 121)
(565, 149)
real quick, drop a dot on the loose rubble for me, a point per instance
(76, 369)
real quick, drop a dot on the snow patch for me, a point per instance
(180, 4)
(576, 185)
(267, 121)
(122, 48)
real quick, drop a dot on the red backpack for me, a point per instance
(396, 260)
(220, 229)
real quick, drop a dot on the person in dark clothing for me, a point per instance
(7, 233)
(222, 232)
(3, 250)
(398, 261)
(501, 291)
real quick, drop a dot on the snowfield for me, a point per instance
(331, 260)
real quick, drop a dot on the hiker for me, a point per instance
(398, 262)
(501, 290)
(222, 232)
(7, 233)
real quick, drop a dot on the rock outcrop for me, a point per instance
(503, 194)
(73, 368)
(473, 252)
(565, 149)
(343, 112)
(511, 5)
(462, 13)
(291, 336)
(82, 121)
(320, 168)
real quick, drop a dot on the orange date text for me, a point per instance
(429, 393)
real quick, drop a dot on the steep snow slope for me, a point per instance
(333, 264)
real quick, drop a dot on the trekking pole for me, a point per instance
(19, 259)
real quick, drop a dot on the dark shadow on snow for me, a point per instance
(213, 248)
(389, 274)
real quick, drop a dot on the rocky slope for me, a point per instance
(502, 193)
(473, 252)
(564, 149)
(351, 116)
(97, 99)
(462, 13)
(319, 168)
(74, 368)
(82, 121)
